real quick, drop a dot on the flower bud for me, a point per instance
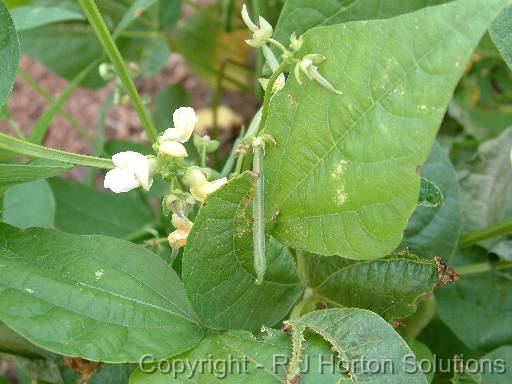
(296, 43)
(260, 34)
(200, 187)
(173, 149)
(178, 238)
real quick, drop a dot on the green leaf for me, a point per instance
(88, 296)
(478, 308)
(391, 287)
(169, 14)
(435, 231)
(9, 54)
(84, 210)
(154, 56)
(502, 356)
(501, 34)
(354, 333)
(487, 191)
(13, 344)
(301, 15)
(430, 194)
(218, 268)
(343, 173)
(422, 352)
(133, 13)
(29, 205)
(254, 361)
(11, 174)
(33, 16)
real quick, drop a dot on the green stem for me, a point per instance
(488, 233)
(268, 93)
(21, 147)
(474, 269)
(301, 267)
(278, 45)
(253, 128)
(45, 95)
(98, 24)
(260, 261)
(239, 163)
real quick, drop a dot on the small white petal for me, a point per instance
(184, 119)
(172, 148)
(247, 19)
(126, 159)
(120, 180)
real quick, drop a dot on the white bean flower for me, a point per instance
(200, 187)
(178, 237)
(132, 170)
(261, 33)
(184, 120)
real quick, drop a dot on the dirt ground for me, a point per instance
(26, 105)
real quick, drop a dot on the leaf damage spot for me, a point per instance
(446, 274)
(99, 274)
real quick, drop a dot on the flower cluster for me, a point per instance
(133, 170)
(262, 35)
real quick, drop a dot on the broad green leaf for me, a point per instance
(84, 210)
(391, 287)
(29, 205)
(14, 344)
(65, 48)
(11, 174)
(355, 333)
(435, 231)
(301, 15)
(487, 191)
(169, 14)
(254, 361)
(33, 16)
(342, 177)
(154, 56)
(478, 308)
(423, 353)
(133, 13)
(218, 268)
(88, 296)
(9, 54)
(501, 34)
(430, 194)
(502, 373)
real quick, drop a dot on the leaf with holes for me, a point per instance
(342, 177)
(391, 287)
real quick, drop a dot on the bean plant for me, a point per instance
(355, 229)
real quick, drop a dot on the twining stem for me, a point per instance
(268, 93)
(260, 261)
(45, 95)
(488, 233)
(474, 269)
(25, 148)
(98, 24)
